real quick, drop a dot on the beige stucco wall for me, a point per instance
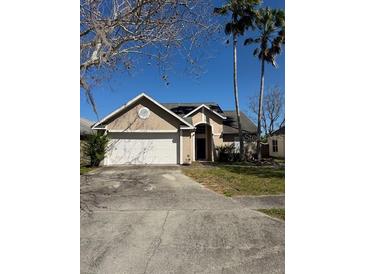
(187, 146)
(205, 116)
(129, 120)
(217, 130)
(218, 140)
(281, 146)
(197, 118)
(216, 123)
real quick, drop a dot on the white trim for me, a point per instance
(206, 143)
(133, 101)
(181, 147)
(202, 123)
(144, 130)
(186, 127)
(193, 156)
(205, 106)
(212, 147)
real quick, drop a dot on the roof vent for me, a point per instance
(144, 113)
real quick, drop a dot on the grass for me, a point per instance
(274, 212)
(84, 169)
(279, 161)
(239, 180)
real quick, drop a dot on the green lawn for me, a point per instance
(239, 180)
(274, 212)
(84, 170)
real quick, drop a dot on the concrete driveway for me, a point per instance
(156, 220)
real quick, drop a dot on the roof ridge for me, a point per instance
(179, 103)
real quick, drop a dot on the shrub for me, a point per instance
(96, 148)
(227, 153)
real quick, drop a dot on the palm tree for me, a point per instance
(271, 36)
(243, 14)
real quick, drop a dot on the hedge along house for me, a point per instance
(145, 131)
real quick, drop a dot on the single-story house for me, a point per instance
(85, 128)
(277, 143)
(144, 131)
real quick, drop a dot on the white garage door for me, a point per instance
(143, 148)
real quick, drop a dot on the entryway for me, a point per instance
(203, 142)
(200, 152)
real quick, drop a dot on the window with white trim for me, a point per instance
(274, 145)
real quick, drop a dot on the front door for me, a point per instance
(200, 147)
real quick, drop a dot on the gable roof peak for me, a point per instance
(204, 106)
(136, 99)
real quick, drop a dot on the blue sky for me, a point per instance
(215, 84)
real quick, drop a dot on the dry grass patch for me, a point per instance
(239, 180)
(84, 170)
(274, 212)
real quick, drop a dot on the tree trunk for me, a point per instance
(235, 88)
(259, 116)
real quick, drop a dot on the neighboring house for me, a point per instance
(277, 143)
(85, 129)
(145, 131)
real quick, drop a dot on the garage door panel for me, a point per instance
(143, 148)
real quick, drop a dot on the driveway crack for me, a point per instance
(159, 240)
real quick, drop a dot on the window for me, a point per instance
(275, 145)
(144, 113)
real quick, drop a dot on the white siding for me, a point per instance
(281, 146)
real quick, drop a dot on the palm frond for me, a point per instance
(248, 41)
(243, 15)
(228, 28)
(271, 27)
(222, 10)
(245, 22)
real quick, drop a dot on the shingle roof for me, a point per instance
(182, 109)
(85, 126)
(280, 131)
(188, 119)
(230, 125)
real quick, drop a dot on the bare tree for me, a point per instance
(115, 33)
(272, 111)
